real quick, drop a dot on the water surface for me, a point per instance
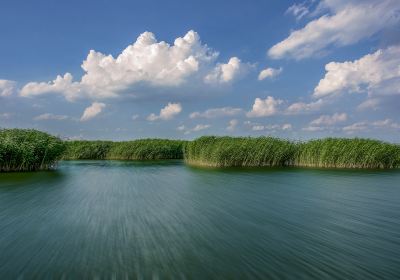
(164, 220)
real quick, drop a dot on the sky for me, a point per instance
(121, 70)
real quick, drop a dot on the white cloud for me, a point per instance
(355, 127)
(272, 127)
(346, 23)
(62, 84)
(232, 125)
(302, 107)
(201, 127)
(135, 117)
(313, 128)
(265, 108)
(298, 10)
(372, 103)
(146, 62)
(329, 120)
(387, 124)
(216, 113)
(181, 128)
(92, 111)
(224, 73)
(49, 116)
(378, 72)
(197, 128)
(7, 88)
(286, 126)
(166, 113)
(269, 73)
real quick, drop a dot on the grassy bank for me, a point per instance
(28, 150)
(268, 151)
(144, 149)
(348, 153)
(242, 151)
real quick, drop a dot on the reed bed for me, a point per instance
(28, 150)
(348, 153)
(241, 151)
(143, 149)
(268, 151)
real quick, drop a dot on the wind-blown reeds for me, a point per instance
(143, 149)
(348, 153)
(268, 151)
(28, 150)
(241, 151)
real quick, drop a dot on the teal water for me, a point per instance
(164, 220)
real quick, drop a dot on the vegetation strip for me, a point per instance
(269, 151)
(144, 149)
(31, 150)
(28, 150)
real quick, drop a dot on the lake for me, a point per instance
(165, 220)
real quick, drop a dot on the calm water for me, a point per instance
(164, 220)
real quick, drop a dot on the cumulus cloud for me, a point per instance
(197, 128)
(216, 113)
(286, 126)
(312, 128)
(330, 120)
(264, 108)
(50, 116)
(270, 127)
(62, 84)
(7, 88)
(92, 111)
(146, 62)
(181, 128)
(345, 23)
(166, 113)
(366, 126)
(225, 73)
(355, 127)
(302, 107)
(232, 125)
(298, 10)
(372, 103)
(269, 73)
(387, 123)
(378, 72)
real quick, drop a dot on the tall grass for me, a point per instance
(144, 149)
(87, 149)
(348, 153)
(242, 151)
(28, 150)
(268, 151)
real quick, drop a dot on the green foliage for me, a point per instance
(242, 151)
(268, 151)
(28, 150)
(348, 153)
(144, 149)
(87, 149)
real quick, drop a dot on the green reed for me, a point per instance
(268, 151)
(28, 150)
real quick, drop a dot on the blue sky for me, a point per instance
(177, 69)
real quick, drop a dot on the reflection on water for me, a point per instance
(126, 219)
